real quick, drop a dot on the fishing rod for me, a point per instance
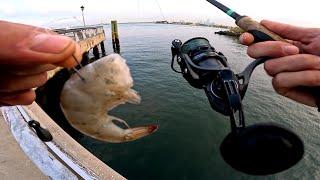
(259, 32)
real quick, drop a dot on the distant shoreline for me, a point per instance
(194, 24)
(231, 30)
(174, 22)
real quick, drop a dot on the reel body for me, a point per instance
(259, 149)
(204, 68)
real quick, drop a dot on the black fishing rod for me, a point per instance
(259, 32)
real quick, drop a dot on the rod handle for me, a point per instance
(259, 32)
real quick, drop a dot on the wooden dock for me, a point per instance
(86, 37)
(89, 38)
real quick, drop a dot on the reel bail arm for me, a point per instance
(234, 100)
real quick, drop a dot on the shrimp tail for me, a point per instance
(139, 132)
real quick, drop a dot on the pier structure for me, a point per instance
(89, 38)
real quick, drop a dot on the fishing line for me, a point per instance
(51, 23)
(44, 29)
(158, 4)
(139, 9)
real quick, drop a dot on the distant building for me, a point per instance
(162, 22)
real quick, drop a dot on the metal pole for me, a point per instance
(84, 23)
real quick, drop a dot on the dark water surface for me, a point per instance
(187, 144)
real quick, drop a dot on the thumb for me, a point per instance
(23, 44)
(246, 39)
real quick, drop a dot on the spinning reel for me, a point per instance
(258, 149)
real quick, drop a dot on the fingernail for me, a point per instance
(48, 43)
(242, 39)
(71, 62)
(290, 50)
(268, 67)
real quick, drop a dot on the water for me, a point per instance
(187, 144)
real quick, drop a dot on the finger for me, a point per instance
(26, 69)
(298, 44)
(289, 31)
(22, 44)
(297, 85)
(288, 80)
(27, 28)
(301, 95)
(11, 83)
(299, 62)
(73, 59)
(271, 49)
(246, 38)
(57, 50)
(25, 97)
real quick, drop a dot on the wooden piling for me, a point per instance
(96, 52)
(103, 50)
(115, 37)
(85, 58)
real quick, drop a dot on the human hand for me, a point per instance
(26, 54)
(292, 72)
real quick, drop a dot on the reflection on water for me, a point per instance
(187, 144)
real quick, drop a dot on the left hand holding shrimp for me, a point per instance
(27, 53)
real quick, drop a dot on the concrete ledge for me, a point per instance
(80, 158)
(14, 164)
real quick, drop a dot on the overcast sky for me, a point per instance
(50, 13)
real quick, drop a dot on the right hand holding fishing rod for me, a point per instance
(294, 65)
(26, 54)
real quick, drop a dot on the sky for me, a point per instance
(62, 12)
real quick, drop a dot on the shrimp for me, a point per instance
(85, 103)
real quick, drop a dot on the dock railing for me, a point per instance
(87, 37)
